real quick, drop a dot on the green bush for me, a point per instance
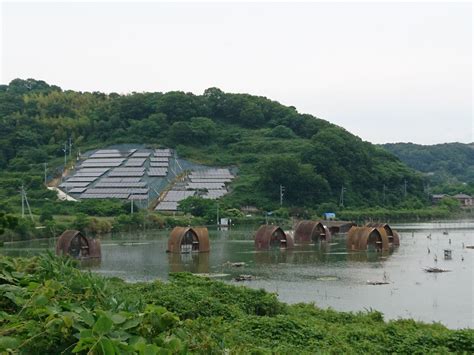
(47, 305)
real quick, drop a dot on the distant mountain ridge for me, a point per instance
(452, 162)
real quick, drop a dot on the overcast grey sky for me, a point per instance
(387, 72)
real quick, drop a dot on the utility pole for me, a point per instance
(45, 169)
(70, 147)
(218, 215)
(65, 154)
(24, 200)
(282, 190)
(341, 200)
(131, 206)
(22, 203)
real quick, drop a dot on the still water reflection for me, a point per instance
(325, 274)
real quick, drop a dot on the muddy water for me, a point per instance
(325, 274)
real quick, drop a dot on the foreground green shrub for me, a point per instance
(49, 306)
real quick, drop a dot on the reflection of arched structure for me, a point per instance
(392, 235)
(311, 232)
(76, 245)
(363, 238)
(364, 257)
(268, 236)
(396, 238)
(187, 239)
(194, 262)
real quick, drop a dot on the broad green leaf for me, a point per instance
(135, 340)
(118, 319)
(147, 349)
(87, 318)
(106, 346)
(86, 333)
(151, 349)
(41, 300)
(33, 286)
(131, 323)
(103, 325)
(83, 344)
(8, 343)
(174, 344)
(11, 288)
(119, 335)
(68, 321)
(18, 275)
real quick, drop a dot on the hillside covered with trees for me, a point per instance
(269, 143)
(449, 166)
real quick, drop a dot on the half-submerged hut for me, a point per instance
(338, 226)
(367, 238)
(311, 232)
(269, 236)
(73, 243)
(392, 235)
(187, 240)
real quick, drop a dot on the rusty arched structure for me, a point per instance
(363, 238)
(187, 239)
(392, 235)
(74, 244)
(269, 236)
(311, 232)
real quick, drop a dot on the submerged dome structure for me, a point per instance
(269, 236)
(392, 235)
(311, 232)
(74, 244)
(187, 240)
(367, 238)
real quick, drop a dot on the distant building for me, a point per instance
(329, 216)
(437, 198)
(464, 199)
(249, 209)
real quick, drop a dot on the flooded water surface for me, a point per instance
(325, 273)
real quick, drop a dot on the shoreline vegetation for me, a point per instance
(16, 228)
(20, 229)
(48, 305)
(320, 165)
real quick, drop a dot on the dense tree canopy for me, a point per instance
(269, 143)
(449, 166)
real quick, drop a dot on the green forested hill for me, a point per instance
(271, 144)
(450, 165)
